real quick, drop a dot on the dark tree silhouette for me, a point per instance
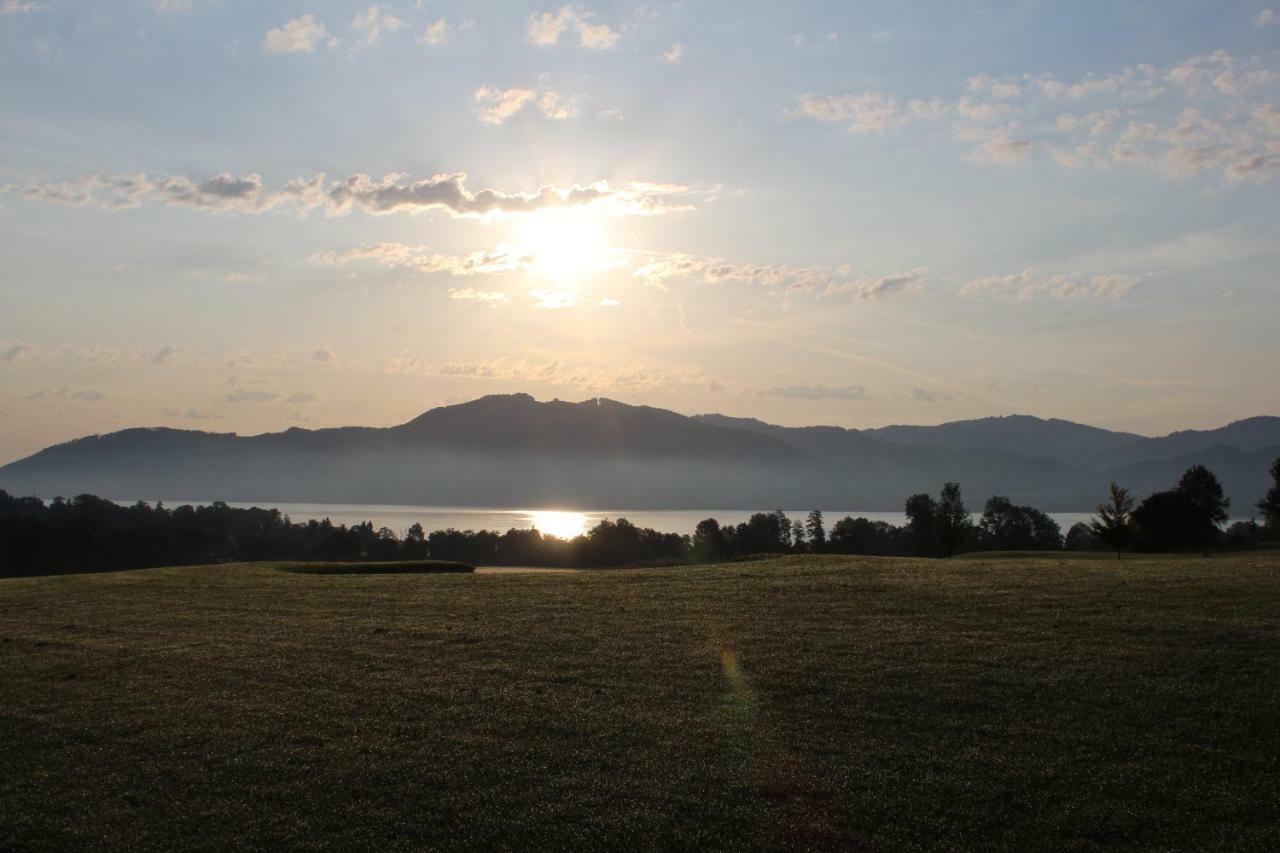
(1270, 503)
(1166, 521)
(1203, 490)
(1113, 524)
(797, 535)
(922, 530)
(1006, 526)
(709, 542)
(951, 520)
(817, 532)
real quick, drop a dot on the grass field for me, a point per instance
(802, 702)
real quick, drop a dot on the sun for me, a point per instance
(567, 245)
(562, 525)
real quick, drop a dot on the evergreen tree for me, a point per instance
(797, 535)
(951, 520)
(817, 532)
(1114, 522)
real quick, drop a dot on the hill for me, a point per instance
(514, 450)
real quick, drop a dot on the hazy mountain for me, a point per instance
(514, 450)
(1023, 434)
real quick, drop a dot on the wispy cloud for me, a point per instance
(486, 297)
(817, 392)
(583, 376)
(251, 395)
(1028, 284)
(495, 106)
(13, 352)
(421, 259)
(554, 299)
(83, 395)
(298, 35)
(20, 7)
(444, 193)
(1204, 114)
(813, 280)
(436, 33)
(372, 23)
(545, 28)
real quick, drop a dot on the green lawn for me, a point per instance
(803, 702)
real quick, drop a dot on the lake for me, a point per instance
(559, 522)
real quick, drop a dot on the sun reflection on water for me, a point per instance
(562, 524)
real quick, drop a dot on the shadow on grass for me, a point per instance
(405, 567)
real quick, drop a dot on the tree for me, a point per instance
(1006, 526)
(1166, 521)
(921, 529)
(709, 543)
(951, 520)
(1080, 538)
(1114, 522)
(797, 535)
(1202, 489)
(1270, 505)
(817, 533)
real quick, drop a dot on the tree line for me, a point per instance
(89, 533)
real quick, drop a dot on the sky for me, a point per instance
(244, 216)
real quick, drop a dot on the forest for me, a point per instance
(89, 533)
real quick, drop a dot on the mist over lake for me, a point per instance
(399, 517)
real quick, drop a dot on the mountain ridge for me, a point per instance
(512, 449)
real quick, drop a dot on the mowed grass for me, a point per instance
(796, 703)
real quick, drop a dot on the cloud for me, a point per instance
(436, 33)
(20, 7)
(673, 54)
(85, 395)
(878, 288)
(323, 355)
(818, 392)
(813, 280)
(498, 105)
(557, 106)
(191, 415)
(587, 377)
(165, 354)
(1266, 18)
(1000, 146)
(251, 395)
(13, 352)
(868, 112)
(495, 106)
(924, 395)
(488, 297)
(1197, 116)
(163, 6)
(446, 193)
(554, 299)
(421, 259)
(299, 35)
(1028, 284)
(372, 22)
(301, 398)
(596, 36)
(545, 28)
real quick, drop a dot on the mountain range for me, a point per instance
(512, 450)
